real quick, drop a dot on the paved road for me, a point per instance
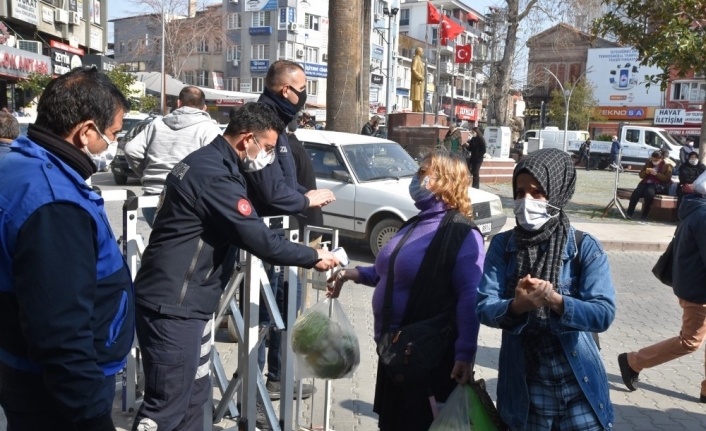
(647, 312)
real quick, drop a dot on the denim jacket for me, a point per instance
(589, 306)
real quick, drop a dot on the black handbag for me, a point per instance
(661, 189)
(663, 268)
(410, 353)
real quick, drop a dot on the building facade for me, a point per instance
(47, 37)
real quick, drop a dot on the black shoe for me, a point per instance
(630, 377)
(261, 417)
(702, 398)
(274, 389)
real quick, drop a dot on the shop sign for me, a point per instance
(18, 63)
(375, 79)
(623, 112)
(229, 102)
(677, 117)
(64, 57)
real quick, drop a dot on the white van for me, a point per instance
(552, 137)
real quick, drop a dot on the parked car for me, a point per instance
(119, 166)
(130, 120)
(370, 178)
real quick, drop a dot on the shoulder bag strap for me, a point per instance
(387, 303)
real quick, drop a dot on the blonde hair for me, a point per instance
(453, 180)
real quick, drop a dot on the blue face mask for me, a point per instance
(418, 189)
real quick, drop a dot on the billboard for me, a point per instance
(260, 5)
(618, 78)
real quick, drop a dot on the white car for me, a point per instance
(370, 178)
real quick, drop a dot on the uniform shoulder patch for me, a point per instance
(244, 207)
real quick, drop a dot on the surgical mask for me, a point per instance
(655, 163)
(301, 95)
(693, 162)
(690, 143)
(260, 161)
(531, 213)
(418, 189)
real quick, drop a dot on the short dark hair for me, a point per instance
(658, 154)
(254, 117)
(9, 127)
(80, 95)
(192, 96)
(694, 153)
(278, 70)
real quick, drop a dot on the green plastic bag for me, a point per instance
(484, 416)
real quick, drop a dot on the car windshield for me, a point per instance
(667, 137)
(372, 162)
(129, 123)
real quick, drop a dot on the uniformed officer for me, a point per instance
(66, 297)
(204, 210)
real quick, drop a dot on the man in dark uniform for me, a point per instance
(204, 209)
(66, 297)
(274, 191)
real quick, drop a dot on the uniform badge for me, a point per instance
(244, 207)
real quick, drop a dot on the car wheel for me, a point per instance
(593, 162)
(120, 180)
(382, 232)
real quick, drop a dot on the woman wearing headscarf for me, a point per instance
(656, 176)
(440, 192)
(547, 295)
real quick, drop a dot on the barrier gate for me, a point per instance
(247, 383)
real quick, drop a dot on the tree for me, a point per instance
(581, 106)
(347, 104)
(124, 80)
(668, 34)
(34, 84)
(187, 32)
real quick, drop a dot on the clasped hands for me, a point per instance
(533, 293)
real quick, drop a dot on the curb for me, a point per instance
(634, 246)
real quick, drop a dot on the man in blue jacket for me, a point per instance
(615, 148)
(66, 297)
(688, 281)
(204, 210)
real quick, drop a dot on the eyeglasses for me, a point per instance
(270, 153)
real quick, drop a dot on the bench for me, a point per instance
(664, 207)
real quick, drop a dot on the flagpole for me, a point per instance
(438, 65)
(453, 87)
(424, 95)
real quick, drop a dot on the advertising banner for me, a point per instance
(26, 10)
(618, 78)
(677, 117)
(260, 5)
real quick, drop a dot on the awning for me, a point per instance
(470, 16)
(153, 82)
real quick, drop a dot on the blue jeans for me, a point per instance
(274, 357)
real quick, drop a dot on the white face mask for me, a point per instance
(691, 144)
(531, 213)
(260, 161)
(693, 162)
(655, 163)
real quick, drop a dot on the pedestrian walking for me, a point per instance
(615, 150)
(688, 279)
(476, 148)
(417, 281)
(163, 143)
(204, 210)
(548, 287)
(67, 319)
(585, 155)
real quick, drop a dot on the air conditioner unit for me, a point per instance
(235, 62)
(61, 16)
(30, 46)
(293, 26)
(324, 57)
(74, 18)
(300, 53)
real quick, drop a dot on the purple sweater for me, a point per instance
(466, 275)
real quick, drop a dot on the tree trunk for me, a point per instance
(504, 67)
(344, 94)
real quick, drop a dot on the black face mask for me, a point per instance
(301, 95)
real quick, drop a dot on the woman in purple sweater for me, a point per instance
(440, 185)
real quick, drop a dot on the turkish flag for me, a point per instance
(463, 53)
(432, 14)
(449, 30)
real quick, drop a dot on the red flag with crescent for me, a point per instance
(449, 29)
(463, 53)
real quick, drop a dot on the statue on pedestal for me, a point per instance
(416, 92)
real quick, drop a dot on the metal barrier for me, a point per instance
(247, 383)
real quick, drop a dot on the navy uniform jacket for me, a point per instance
(204, 209)
(274, 190)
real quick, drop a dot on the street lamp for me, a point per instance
(390, 12)
(567, 98)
